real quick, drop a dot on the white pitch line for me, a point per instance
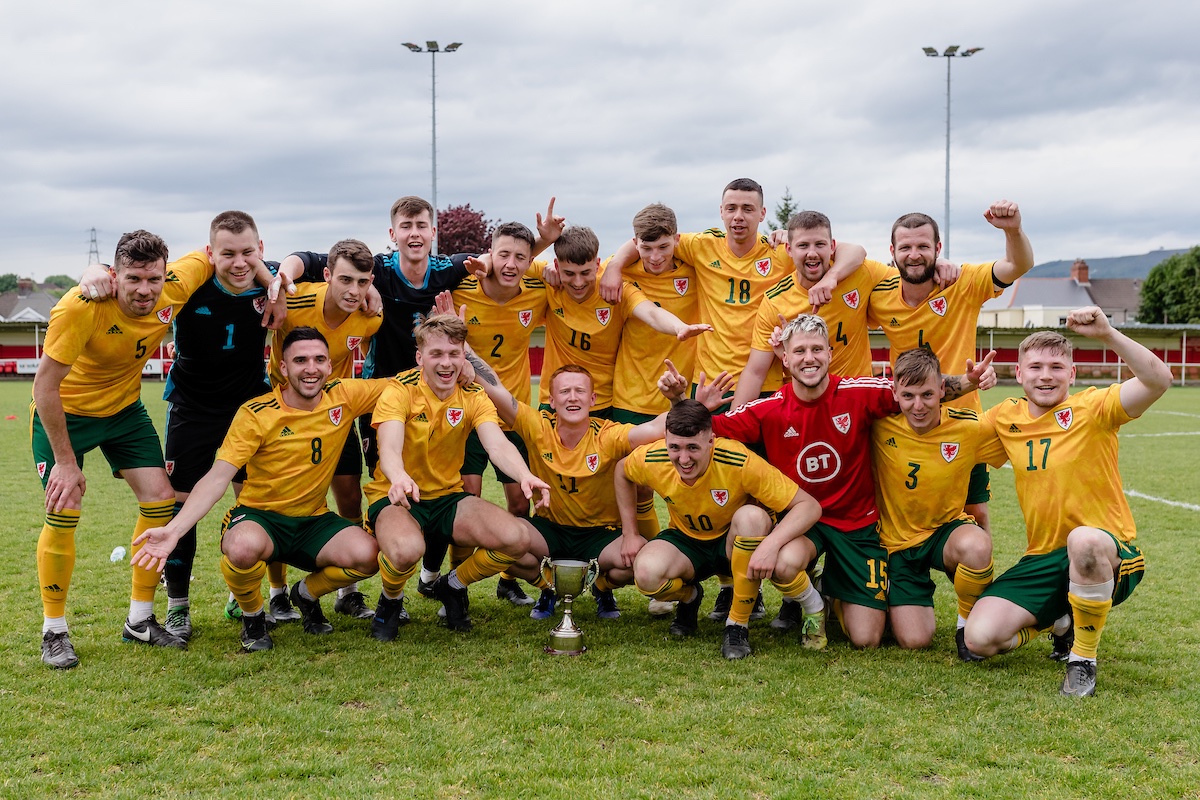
(1176, 503)
(1163, 500)
(1173, 433)
(1175, 413)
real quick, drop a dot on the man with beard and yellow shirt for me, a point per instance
(914, 312)
(87, 394)
(287, 441)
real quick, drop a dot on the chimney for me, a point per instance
(24, 286)
(1079, 272)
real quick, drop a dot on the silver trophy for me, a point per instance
(568, 580)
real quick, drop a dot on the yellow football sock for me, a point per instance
(246, 584)
(969, 584)
(150, 515)
(459, 553)
(602, 585)
(330, 579)
(647, 519)
(539, 582)
(482, 564)
(798, 586)
(393, 578)
(277, 575)
(1023, 637)
(1090, 616)
(745, 590)
(674, 589)
(56, 559)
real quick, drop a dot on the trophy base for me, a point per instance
(552, 651)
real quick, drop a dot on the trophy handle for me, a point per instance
(593, 572)
(547, 571)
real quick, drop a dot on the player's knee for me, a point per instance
(241, 551)
(516, 539)
(518, 506)
(862, 639)
(981, 638)
(622, 576)
(647, 575)
(750, 521)
(1088, 545)
(975, 549)
(913, 637)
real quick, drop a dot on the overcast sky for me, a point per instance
(314, 118)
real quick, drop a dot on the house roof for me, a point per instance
(1114, 293)
(33, 307)
(1027, 291)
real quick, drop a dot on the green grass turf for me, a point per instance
(486, 714)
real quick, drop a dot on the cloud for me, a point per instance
(314, 118)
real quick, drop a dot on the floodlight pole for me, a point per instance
(431, 47)
(951, 52)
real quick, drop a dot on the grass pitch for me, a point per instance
(486, 714)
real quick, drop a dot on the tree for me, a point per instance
(784, 210)
(8, 282)
(462, 229)
(61, 281)
(1171, 292)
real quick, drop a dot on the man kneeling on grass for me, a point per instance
(708, 485)
(1080, 560)
(288, 441)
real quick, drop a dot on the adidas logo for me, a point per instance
(421, 417)
(1013, 428)
(790, 433)
(668, 500)
(203, 311)
(894, 324)
(115, 329)
(559, 312)
(54, 587)
(716, 264)
(474, 321)
(548, 457)
(891, 442)
(287, 431)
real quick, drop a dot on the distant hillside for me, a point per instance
(1119, 267)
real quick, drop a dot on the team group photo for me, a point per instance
(738, 495)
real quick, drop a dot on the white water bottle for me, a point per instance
(118, 553)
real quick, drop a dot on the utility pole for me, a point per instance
(93, 250)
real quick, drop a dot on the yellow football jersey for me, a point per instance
(587, 334)
(921, 479)
(305, 308)
(945, 322)
(499, 332)
(730, 290)
(846, 317)
(435, 433)
(290, 454)
(734, 477)
(643, 349)
(1065, 462)
(581, 477)
(106, 348)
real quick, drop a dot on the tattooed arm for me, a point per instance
(979, 376)
(485, 376)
